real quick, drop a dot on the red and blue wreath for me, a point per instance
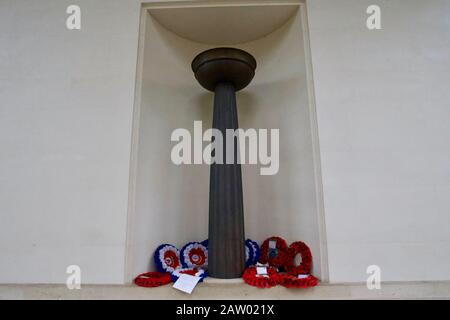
(167, 258)
(194, 255)
(276, 256)
(190, 271)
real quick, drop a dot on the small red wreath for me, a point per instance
(281, 255)
(197, 256)
(304, 267)
(250, 277)
(152, 279)
(291, 281)
(171, 259)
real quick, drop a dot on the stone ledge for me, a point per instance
(234, 289)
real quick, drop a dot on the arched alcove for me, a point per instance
(169, 203)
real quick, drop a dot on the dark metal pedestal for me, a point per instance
(226, 257)
(225, 71)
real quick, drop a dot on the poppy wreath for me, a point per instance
(251, 277)
(167, 258)
(275, 257)
(249, 253)
(194, 255)
(303, 250)
(190, 271)
(291, 281)
(152, 279)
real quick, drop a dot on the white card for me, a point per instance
(262, 264)
(186, 283)
(262, 275)
(303, 276)
(261, 270)
(272, 244)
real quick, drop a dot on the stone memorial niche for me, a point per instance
(225, 71)
(168, 200)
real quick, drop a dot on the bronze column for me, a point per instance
(225, 71)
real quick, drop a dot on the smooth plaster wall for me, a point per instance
(383, 105)
(66, 102)
(171, 203)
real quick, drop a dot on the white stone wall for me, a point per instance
(66, 101)
(383, 104)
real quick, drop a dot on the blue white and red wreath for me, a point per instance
(191, 271)
(249, 255)
(167, 258)
(256, 252)
(194, 255)
(205, 243)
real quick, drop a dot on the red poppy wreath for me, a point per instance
(298, 248)
(152, 279)
(301, 281)
(274, 251)
(252, 278)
